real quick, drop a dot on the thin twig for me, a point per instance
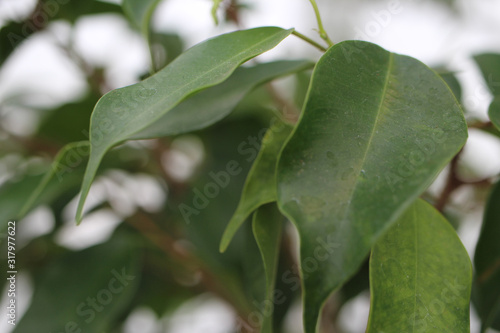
(309, 40)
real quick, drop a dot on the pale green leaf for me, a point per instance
(376, 129)
(420, 276)
(124, 112)
(260, 185)
(266, 226)
(215, 7)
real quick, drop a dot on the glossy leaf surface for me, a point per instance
(376, 129)
(420, 276)
(123, 112)
(212, 104)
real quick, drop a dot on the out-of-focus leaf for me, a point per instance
(86, 290)
(266, 225)
(11, 35)
(376, 129)
(487, 265)
(302, 80)
(215, 7)
(260, 185)
(72, 10)
(164, 48)
(420, 276)
(68, 123)
(211, 201)
(124, 112)
(452, 82)
(494, 112)
(212, 104)
(489, 64)
(139, 13)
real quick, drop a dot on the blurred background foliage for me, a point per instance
(58, 57)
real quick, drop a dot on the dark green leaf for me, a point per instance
(260, 185)
(212, 104)
(124, 112)
(266, 225)
(487, 264)
(68, 123)
(11, 36)
(489, 64)
(420, 276)
(72, 10)
(84, 290)
(164, 48)
(376, 129)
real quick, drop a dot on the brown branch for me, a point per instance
(143, 223)
(454, 182)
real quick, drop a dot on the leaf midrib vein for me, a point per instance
(372, 134)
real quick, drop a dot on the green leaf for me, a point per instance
(86, 290)
(487, 264)
(489, 64)
(420, 276)
(139, 13)
(266, 226)
(164, 48)
(72, 10)
(376, 129)
(123, 112)
(12, 35)
(207, 207)
(260, 185)
(452, 82)
(212, 104)
(494, 112)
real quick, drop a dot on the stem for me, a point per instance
(309, 40)
(321, 29)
